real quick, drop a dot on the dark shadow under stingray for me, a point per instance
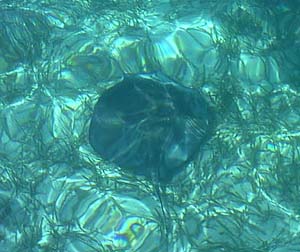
(152, 129)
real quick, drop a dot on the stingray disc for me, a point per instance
(151, 128)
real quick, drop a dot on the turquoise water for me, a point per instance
(239, 192)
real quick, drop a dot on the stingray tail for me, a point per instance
(159, 190)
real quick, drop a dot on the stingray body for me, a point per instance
(153, 129)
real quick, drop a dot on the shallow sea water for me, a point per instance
(238, 191)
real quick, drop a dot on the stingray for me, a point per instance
(151, 128)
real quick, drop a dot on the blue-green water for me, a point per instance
(239, 192)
